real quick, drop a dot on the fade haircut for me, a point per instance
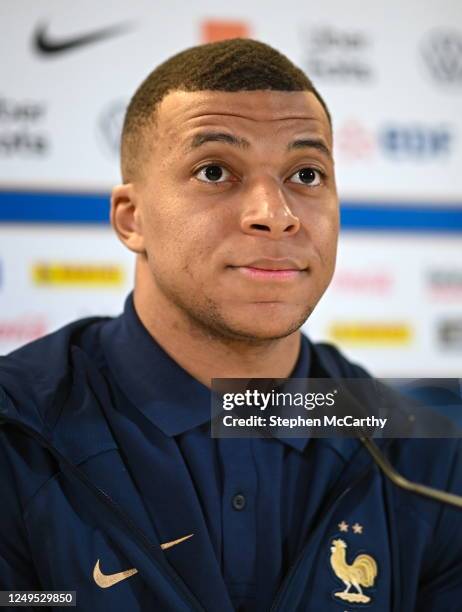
(239, 64)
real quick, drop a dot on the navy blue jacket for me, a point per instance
(70, 498)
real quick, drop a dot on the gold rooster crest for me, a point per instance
(361, 573)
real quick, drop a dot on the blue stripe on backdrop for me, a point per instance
(62, 207)
(53, 207)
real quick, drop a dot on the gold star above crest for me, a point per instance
(343, 526)
(357, 528)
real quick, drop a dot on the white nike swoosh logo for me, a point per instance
(107, 580)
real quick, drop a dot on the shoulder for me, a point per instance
(44, 383)
(421, 457)
(35, 376)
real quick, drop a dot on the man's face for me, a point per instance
(239, 209)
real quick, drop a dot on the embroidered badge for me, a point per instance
(361, 573)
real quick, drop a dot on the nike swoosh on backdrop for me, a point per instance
(47, 45)
(107, 580)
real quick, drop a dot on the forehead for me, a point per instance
(269, 114)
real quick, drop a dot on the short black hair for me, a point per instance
(239, 64)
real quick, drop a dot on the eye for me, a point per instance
(213, 173)
(307, 176)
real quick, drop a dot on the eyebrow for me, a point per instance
(200, 139)
(310, 143)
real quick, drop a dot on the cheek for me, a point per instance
(180, 243)
(163, 226)
(328, 251)
(322, 232)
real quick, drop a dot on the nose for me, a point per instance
(267, 213)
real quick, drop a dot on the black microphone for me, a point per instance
(393, 475)
(400, 481)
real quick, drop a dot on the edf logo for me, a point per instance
(416, 141)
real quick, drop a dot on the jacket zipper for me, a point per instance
(285, 586)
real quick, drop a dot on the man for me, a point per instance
(112, 485)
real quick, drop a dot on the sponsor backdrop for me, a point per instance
(392, 77)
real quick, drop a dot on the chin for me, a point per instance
(254, 322)
(269, 322)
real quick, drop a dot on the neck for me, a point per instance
(205, 355)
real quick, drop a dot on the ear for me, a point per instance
(126, 217)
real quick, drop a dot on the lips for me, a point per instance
(271, 269)
(276, 264)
